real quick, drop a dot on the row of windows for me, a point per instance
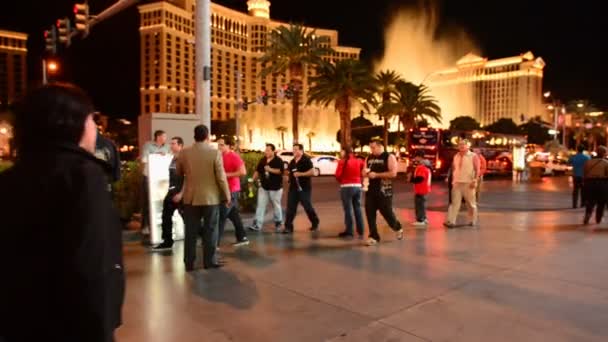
(12, 43)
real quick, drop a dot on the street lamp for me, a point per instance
(553, 107)
(48, 67)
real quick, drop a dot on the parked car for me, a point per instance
(500, 165)
(557, 167)
(325, 165)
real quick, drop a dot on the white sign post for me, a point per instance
(158, 183)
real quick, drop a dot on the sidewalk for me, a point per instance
(522, 276)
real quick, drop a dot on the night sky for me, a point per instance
(567, 35)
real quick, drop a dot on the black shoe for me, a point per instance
(345, 235)
(214, 266)
(314, 228)
(165, 246)
(586, 219)
(286, 231)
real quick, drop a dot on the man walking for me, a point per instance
(269, 173)
(578, 169)
(465, 175)
(300, 189)
(169, 205)
(235, 168)
(205, 189)
(381, 169)
(158, 146)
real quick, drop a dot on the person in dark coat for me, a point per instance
(61, 260)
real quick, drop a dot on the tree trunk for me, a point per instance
(385, 138)
(345, 127)
(296, 72)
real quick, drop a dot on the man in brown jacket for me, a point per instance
(204, 190)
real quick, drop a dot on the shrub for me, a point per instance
(127, 191)
(4, 165)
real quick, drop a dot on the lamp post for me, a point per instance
(203, 61)
(554, 106)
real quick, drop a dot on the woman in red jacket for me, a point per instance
(348, 173)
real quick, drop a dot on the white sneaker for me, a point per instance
(371, 242)
(420, 224)
(399, 234)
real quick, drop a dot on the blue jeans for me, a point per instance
(351, 199)
(265, 196)
(233, 215)
(420, 205)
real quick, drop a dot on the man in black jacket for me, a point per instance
(62, 250)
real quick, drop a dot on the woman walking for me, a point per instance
(348, 174)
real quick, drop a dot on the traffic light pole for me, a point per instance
(203, 61)
(44, 75)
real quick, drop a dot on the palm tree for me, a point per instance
(310, 135)
(386, 83)
(291, 49)
(411, 103)
(282, 130)
(342, 83)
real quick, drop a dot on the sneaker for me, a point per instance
(162, 247)
(314, 228)
(449, 225)
(145, 231)
(371, 242)
(286, 231)
(277, 227)
(345, 235)
(472, 224)
(241, 243)
(399, 234)
(254, 227)
(420, 223)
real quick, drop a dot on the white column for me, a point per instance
(203, 61)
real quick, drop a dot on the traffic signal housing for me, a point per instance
(50, 40)
(81, 16)
(65, 31)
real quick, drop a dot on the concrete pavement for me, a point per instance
(534, 275)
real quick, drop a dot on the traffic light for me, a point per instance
(81, 16)
(65, 31)
(50, 39)
(264, 97)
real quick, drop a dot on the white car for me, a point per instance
(557, 166)
(325, 165)
(286, 156)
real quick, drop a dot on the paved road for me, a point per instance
(522, 276)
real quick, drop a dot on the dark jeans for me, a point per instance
(420, 205)
(169, 208)
(145, 204)
(384, 204)
(595, 197)
(201, 221)
(303, 197)
(234, 216)
(351, 200)
(578, 190)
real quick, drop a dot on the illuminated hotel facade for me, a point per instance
(238, 41)
(13, 79)
(502, 88)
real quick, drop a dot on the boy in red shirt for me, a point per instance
(422, 187)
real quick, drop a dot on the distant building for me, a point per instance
(238, 41)
(13, 66)
(502, 88)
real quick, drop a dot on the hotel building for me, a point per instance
(13, 80)
(489, 90)
(238, 41)
(13, 66)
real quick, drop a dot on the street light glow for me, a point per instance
(3, 130)
(52, 66)
(547, 94)
(580, 105)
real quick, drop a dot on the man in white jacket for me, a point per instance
(466, 173)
